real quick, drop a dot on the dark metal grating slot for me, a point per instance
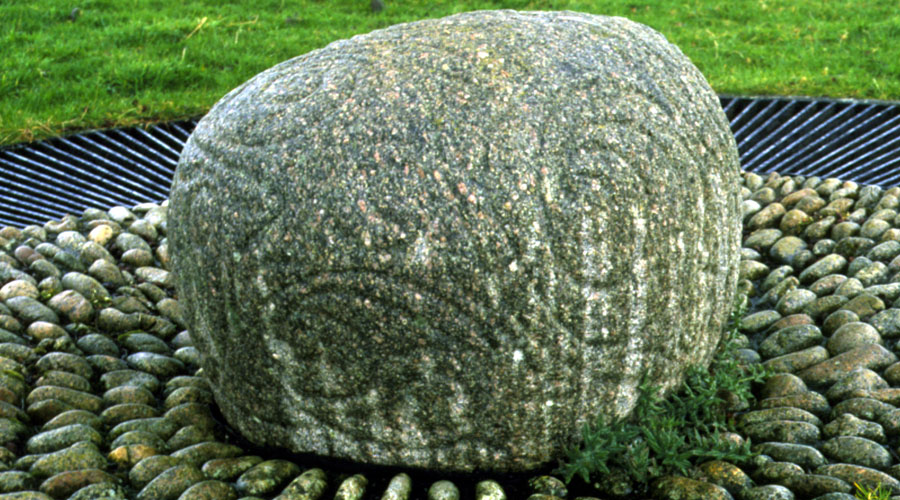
(46, 180)
(851, 140)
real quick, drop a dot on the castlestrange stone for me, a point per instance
(450, 243)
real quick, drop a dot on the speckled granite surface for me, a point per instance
(464, 235)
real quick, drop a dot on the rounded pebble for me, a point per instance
(312, 484)
(171, 483)
(210, 490)
(352, 488)
(443, 490)
(858, 451)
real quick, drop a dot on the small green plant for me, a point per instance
(671, 435)
(866, 493)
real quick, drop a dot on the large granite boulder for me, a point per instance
(451, 243)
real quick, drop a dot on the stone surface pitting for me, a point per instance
(467, 235)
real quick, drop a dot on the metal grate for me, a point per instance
(46, 180)
(852, 140)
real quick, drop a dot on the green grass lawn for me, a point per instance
(124, 62)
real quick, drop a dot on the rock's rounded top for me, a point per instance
(521, 214)
(504, 67)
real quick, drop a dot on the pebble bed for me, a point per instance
(101, 394)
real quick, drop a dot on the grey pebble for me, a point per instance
(858, 380)
(100, 491)
(171, 483)
(858, 451)
(29, 310)
(838, 319)
(794, 301)
(352, 488)
(128, 241)
(228, 469)
(81, 455)
(155, 364)
(759, 321)
(812, 485)
(768, 492)
(199, 453)
(782, 431)
(887, 323)
(64, 361)
(208, 490)
(800, 454)
(849, 425)
(830, 264)
(266, 477)
(159, 426)
(826, 285)
(401, 485)
(149, 468)
(62, 437)
(790, 339)
(137, 257)
(140, 341)
(762, 239)
(865, 476)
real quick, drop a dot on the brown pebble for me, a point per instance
(871, 356)
(18, 288)
(27, 255)
(65, 484)
(128, 456)
(72, 305)
(792, 320)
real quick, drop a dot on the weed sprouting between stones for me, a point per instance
(866, 493)
(666, 436)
